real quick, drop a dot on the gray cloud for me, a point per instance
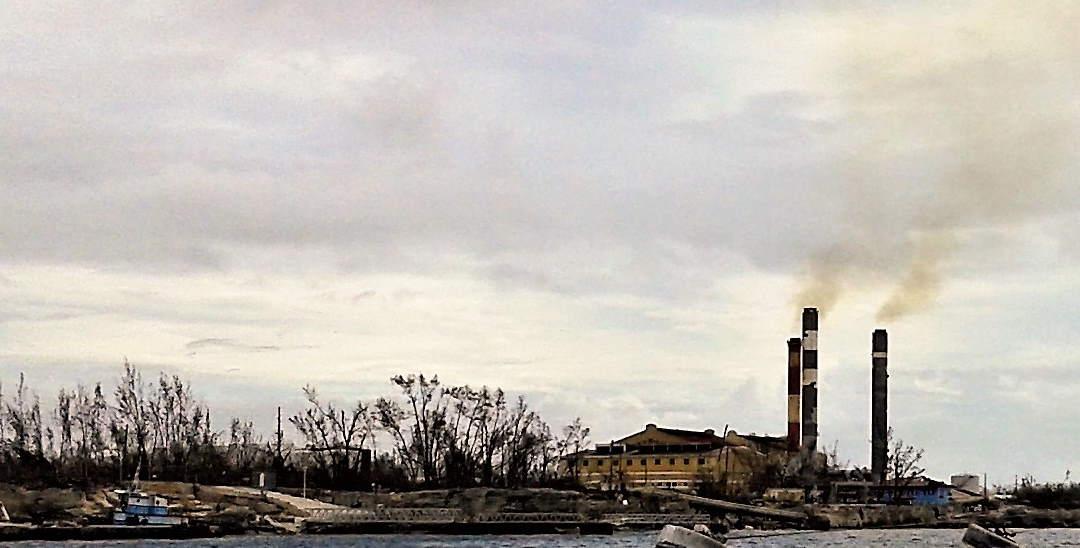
(544, 198)
(179, 153)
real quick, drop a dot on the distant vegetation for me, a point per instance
(1049, 495)
(439, 436)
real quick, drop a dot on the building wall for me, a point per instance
(684, 471)
(932, 497)
(675, 459)
(919, 495)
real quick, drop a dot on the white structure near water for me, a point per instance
(138, 508)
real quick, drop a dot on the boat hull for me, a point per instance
(673, 536)
(124, 518)
(983, 538)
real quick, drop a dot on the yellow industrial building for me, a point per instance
(670, 458)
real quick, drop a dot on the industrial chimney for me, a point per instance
(809, 380)
(879, 401)
(794, 391)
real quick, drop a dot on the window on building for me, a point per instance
(644, 462)
(656, 461)
(585, 462)
(672, 461)
(686, 461)
(701, 460)
(629, 462)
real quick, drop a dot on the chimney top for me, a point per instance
(880, 341)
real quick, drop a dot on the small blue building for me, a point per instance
(921, 491)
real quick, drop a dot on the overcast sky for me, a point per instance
(614, 208)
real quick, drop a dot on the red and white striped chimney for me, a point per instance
(794, 397)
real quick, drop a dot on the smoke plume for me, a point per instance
(918, 289)
(967, 120)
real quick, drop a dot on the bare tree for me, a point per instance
(462, 434)
(89, 417)
(832, 458)
(18, 417)
(200, 444)
(244, 445)
(134, 415)
(390, 416)
(455, 436)
(65, 425)
(526, 439)
(546, 456)
(418, 427)
(24, 418)
(335, 437)
(176, 419)
(575, 438)
(903, 464)
(493, 417)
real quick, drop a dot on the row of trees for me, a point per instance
(157, 428)
(438, 436)
(1064, 495)
(432, 435)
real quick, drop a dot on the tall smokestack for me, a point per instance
(879, 401)
(809, 380)
(794, 391)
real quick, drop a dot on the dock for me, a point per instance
(448, 521)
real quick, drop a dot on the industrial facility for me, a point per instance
(684, 460)
(738, 464)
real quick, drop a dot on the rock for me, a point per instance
(266, 508)
(41, 505)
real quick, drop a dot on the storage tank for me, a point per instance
(967, 482)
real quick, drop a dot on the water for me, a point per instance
(907, 537)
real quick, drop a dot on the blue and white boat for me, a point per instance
(138, 508)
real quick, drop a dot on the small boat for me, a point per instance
(984, 538)
(138, 508)
(673, 536)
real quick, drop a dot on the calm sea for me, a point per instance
(910, 537)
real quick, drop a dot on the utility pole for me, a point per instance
(724, 450)
(279, 435)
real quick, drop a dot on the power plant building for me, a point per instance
(670, 458)
(688, 460)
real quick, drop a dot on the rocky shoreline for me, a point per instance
(214, 511)
(886, 517)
